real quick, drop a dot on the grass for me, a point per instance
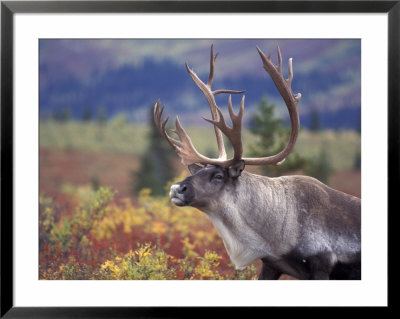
(119, 137)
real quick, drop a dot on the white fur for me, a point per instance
(173, 190)
(240, 244)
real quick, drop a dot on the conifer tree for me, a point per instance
(87, 114)
(156, 163)
(320, 168)
(315, 124)
(272, 138)
(63, 114)
(357, 158)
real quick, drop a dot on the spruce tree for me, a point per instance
(63, 114)
(357, 158)
(272, 138)
(156, 163)
(315, 124)
(87, 114)
(320, 168)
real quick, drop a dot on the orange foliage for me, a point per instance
(99, 238)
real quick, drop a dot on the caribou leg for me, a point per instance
(321, 265)
(268, 272)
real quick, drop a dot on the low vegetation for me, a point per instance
(98, 238)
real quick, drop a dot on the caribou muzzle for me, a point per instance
(181, 194)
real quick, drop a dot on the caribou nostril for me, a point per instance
(182, 189)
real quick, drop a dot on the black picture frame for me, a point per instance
(9, 8)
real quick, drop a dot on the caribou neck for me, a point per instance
(247, 221)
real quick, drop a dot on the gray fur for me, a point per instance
(294, 224)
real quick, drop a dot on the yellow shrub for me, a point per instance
(144, 263)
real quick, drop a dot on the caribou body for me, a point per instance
(295, 224)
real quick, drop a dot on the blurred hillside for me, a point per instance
(132, 139)
(89, 153)
(88, 77)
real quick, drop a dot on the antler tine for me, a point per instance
(279, 60)
(234, 133)
(212, 64)
(161, 125)
(211, 76)
(290, 69)
(236, 119)
(220, 123)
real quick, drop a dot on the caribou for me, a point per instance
(294, 224)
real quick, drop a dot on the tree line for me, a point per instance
(64, 114)
(156, 167)
(272, 135)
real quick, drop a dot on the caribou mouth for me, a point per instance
(178, 202)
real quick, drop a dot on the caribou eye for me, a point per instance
(218, 176)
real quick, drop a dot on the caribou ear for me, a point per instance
(236, 169)
(194, 168)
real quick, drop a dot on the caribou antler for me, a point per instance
(234, 133)
(184, 146)
(209, 94)
(284, 87)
